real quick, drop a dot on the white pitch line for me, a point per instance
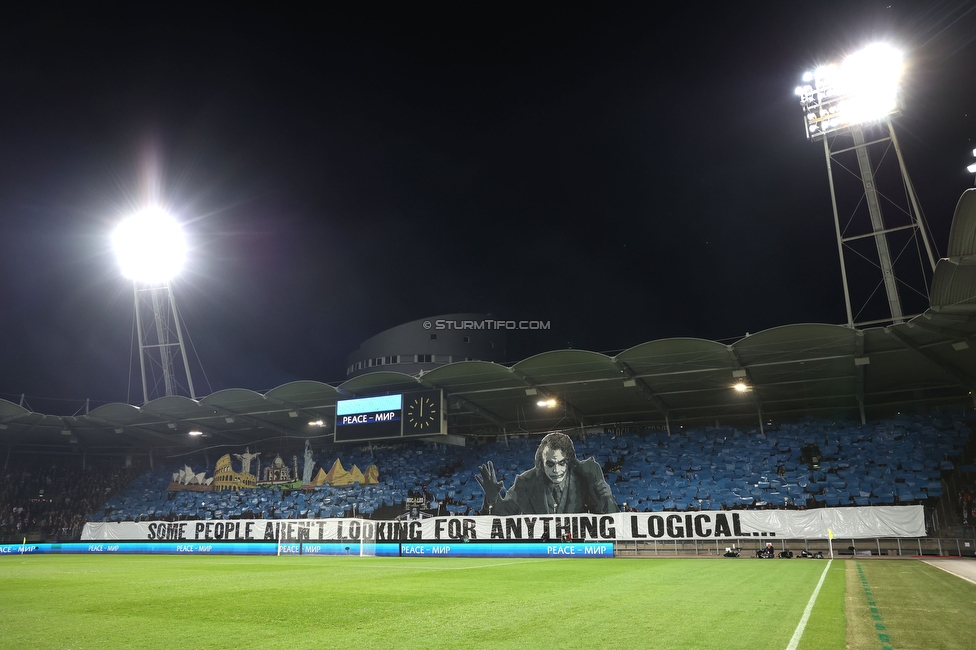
(945, 565)
(795, 641)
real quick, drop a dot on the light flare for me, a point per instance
(150, 246)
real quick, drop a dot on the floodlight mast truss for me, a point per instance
(826, 106)
(156, 328)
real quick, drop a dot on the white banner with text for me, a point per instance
(850, 523)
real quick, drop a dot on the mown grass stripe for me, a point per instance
(798, 633)
(879, 626)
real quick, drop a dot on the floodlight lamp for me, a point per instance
(547, 403)
(971, 169)
(150, 246)
(741, 387)
(862, 88)
(869, 81)
(196, 433)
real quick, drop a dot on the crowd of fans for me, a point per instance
(899, 461)
(53, 499)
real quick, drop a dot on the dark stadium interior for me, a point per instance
(649, 204)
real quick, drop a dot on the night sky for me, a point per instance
(624, 171)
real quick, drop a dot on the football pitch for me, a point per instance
(81, 602)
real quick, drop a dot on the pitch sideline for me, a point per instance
(795, 641)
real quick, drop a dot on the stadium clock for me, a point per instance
(422, 412)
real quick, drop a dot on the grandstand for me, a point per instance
(885, 411)
(899, 461)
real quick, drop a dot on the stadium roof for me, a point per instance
(789, 372)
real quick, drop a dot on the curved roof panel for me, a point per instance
(172, 404)
(791, 371)
(465, 376)
(9, 410)
(234, 399)
(792, 343)
(377, 383)
(953, 288)
(301, 392)
(566, 366)
(962, 232)
(117, 412)
(675, 355)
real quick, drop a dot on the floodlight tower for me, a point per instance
(839, 102)
(151, 250)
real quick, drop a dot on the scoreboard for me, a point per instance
(404, 415)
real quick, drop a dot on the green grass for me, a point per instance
(918, 605)
(83, 602)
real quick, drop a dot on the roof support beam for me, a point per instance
(129, 427)
(263, 424)
(484, 413)
(959, 335)
(30, 429)
(752, 388)
(577, 414)
(466, 404)
(310, 414)
(859, 373)
(645, 391)
(67, 427)
(965, 380)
